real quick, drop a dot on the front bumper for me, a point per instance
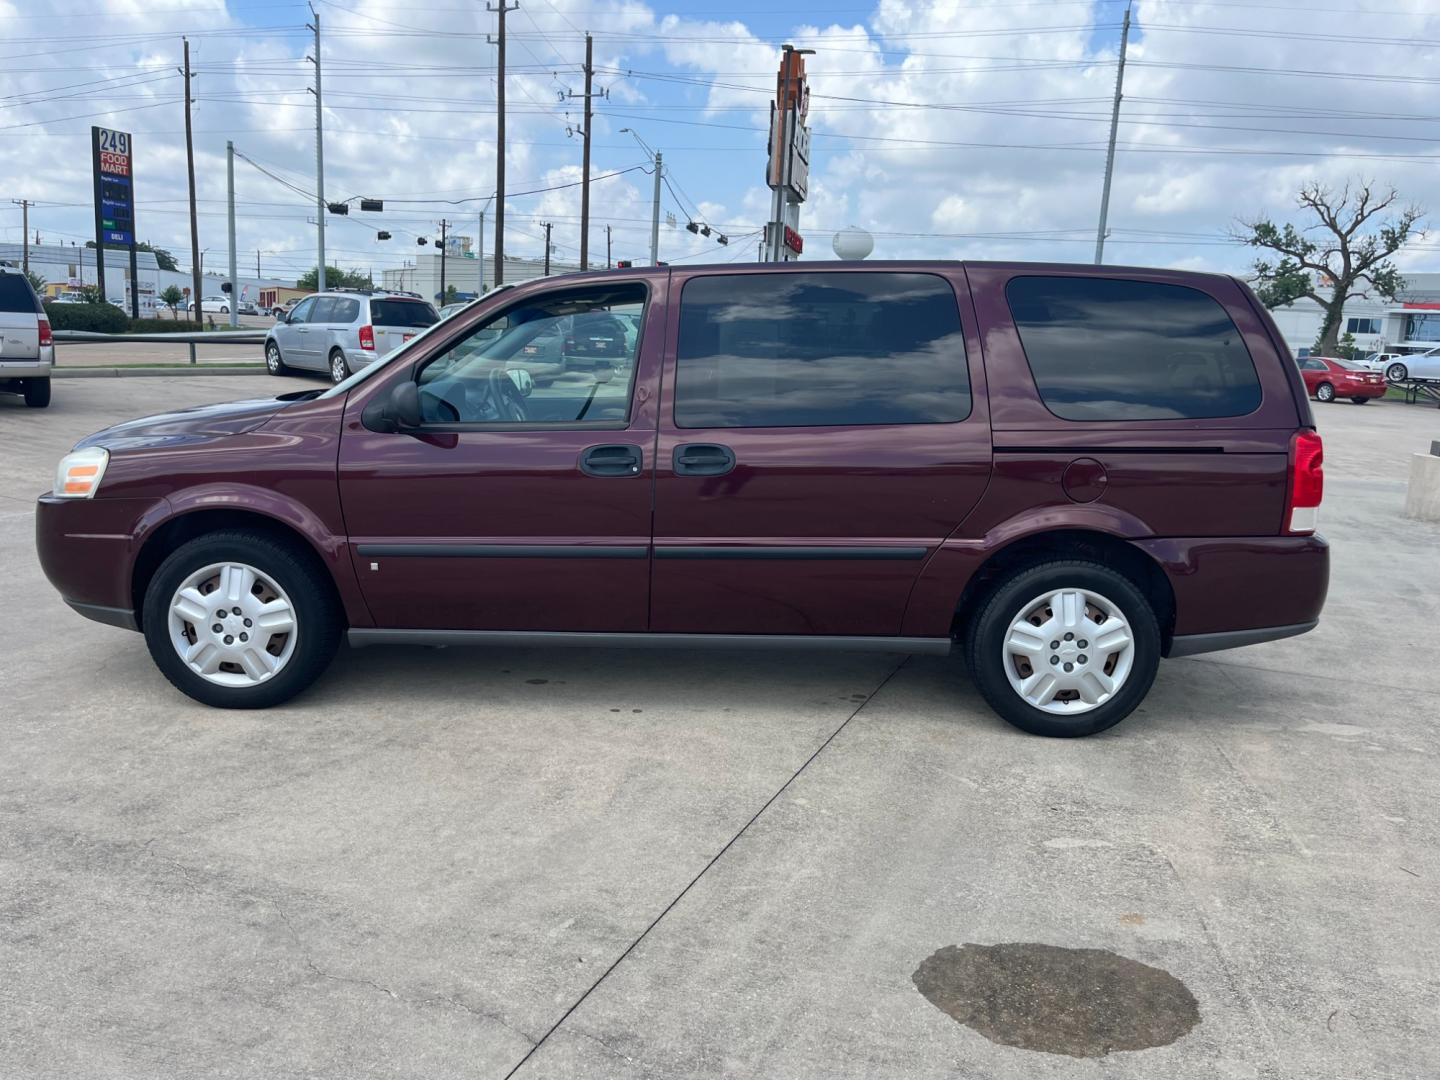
(87, 548)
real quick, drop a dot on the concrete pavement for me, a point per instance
(448, 863)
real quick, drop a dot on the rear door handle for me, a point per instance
(703, 459)
(615, 459)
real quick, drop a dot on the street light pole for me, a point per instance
(319, 161)
(1110, 153)
(655, 157)
(230, 186)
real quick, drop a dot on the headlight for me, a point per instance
(79, 473)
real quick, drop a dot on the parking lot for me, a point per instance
(447, 863)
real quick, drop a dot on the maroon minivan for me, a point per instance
(1066, 471)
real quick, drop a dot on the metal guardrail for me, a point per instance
(210, 337)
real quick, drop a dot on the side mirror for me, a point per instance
(397, 411)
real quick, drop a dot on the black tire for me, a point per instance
(224, 311)
(1361, 400)
(985, 641)
(339, 366)
(1397, 373)
(1325, 392)
(318, 617)
(274, 361)
(37, 392)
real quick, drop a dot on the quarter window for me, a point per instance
(556, 358)
(819, 349)
(1109, 349)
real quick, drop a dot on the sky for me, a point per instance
(949, 130)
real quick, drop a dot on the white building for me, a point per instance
(462, 270)
(1410, 323)
(70, 265)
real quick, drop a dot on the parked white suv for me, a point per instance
(27, 348)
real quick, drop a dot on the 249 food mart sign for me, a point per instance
(114, 186)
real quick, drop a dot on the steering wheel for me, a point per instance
(505, 398)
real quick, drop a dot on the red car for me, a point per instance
(1327, 378)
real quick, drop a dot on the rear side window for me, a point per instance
(413, 313)
(343, 311)
(1109, 349)
(810, 350)
(16, 297)
(323, 311)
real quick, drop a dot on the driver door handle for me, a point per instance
(615, 459)
(703, 459)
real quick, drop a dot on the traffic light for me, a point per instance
(338, 208)
(225, 286)
(623, 264)
(382, 235)
(375, 205)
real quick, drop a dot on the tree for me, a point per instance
(91, 294)
(452, 295)
(172, 298)
(1347, 251)
(163, 258)
(37, 282)
(335, 278)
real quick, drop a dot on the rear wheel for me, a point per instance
(1397, 373)
(339, 368)
(37, 393)
(274, 362)
(1064, 648)
(240, 621)
(1325, 392)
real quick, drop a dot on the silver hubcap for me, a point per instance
(1068, 651)
(1325, 393)
(337, 367)
(272, 358)
(232, 625)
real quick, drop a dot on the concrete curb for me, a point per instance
(121, 372)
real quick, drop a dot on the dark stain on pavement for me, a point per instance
(1079, 1002)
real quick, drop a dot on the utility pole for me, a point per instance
(24, 205)
(443, 245)
(655, 214)
(257, 264)
(234, 273)
(1110, 153)
(585, 161)
(499, 42)
(319, 158)
(480, 256)
(195, 255)
(548, 227)
(608, 262)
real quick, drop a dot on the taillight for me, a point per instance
(367, 338)
(46, 337)
(1307, 482)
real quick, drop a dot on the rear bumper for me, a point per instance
(38, 368)
(1233, 592)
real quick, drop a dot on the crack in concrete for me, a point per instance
(440, 999)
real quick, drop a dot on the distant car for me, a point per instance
(342, 332)
(451, 309)
(27, 347)
(1379, 361)
(211, 304)
(1327, 378)
(1423, 365)
(595, 338)
(247, 307)
(283, 309)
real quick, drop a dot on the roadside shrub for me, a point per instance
(96, 318)
(164, 326)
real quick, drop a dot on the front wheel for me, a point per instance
(339, 369)
(224, 311)
(37, 393)
(274, 362)
(1397, 373)
(238, 620)
(1064, 648)
(1325, 392)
